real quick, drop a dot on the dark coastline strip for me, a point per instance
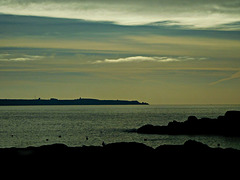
(53, 101)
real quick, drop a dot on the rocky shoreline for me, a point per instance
(121, 149)
(227, 125)
(114, 159)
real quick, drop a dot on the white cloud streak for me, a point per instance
(189, 13)
(9, 57)
(148, 59)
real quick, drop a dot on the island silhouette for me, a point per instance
(54, 101)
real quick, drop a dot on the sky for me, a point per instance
(155, 51)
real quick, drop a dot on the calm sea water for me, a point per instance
(22, 126)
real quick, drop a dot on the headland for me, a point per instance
(227, 125)
(54, 101)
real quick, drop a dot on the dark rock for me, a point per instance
(127, 147)
(233, 116)
(192, 119)
(195, 145)
(129, 153)
(189, 146)
(228, 125)
(150, 129)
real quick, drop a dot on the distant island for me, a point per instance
(54, 101)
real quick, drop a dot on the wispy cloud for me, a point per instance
(149, 59)
(234, 76)
(9, 57)
(188, 13)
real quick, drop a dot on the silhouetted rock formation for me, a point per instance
(122, 149)
(228, 125)
(122, 157)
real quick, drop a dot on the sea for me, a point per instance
(75, 126)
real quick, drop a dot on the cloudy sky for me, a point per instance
(158, 51)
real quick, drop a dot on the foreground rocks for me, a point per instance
(116, 160)
(114, 150)
(228, 125)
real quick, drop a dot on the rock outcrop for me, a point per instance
(228, 125)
